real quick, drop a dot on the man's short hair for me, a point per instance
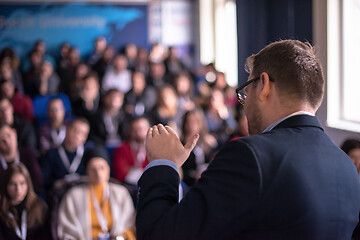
(79, 119)
(294, 67)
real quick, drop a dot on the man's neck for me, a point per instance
(69, 147)
(56, 125)
(10, 157)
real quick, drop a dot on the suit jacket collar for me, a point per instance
(300, 121)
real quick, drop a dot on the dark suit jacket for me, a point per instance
(289, 183)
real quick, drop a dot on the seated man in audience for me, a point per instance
(25, 131)
(129, 159)
(52, 134)
(10, 153)
(65, 161)
(99, 209)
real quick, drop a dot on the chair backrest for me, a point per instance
(54, 198)
(40, 103)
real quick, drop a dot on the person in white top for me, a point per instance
(117, 76)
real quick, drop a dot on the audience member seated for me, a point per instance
(157, 53)
(64, 49)
(23, 215)
(99, 209)
(52, 133)
(82, 70)
(11, 154)
(129, 159)
(157, 76)
(221, 83)
(10, 74)
(107, 126)
(104, 62)
(22, 104)
(99, 48)
(198, 160)
(67, 72)
(142, 61)
(166, 110)
(117, 76)
(219, 118)
(40, 46)
(352, 148)
(173, 64)
(65, 161)
(49, 81)
(31, 76)
(184, 89)
(242, 128)
(141, 98)
(131, 52)
(87, 103)
(25, 131)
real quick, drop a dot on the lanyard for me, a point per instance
(99, 214)
(20, 233)
(4, 163)
(138, 153)
(71, 168)
(58, 137)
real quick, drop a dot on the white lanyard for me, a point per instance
(139, 153)
(4, 163)
(20, 233)
(99, 214)
(58, 138)
(75, 163)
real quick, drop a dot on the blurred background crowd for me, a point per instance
(56, 111)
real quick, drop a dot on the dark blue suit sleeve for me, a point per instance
(218, 207)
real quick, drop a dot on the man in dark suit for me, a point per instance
(287, 180)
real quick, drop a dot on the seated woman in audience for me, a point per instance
(198, 160)
(52, 134)
(242, 128)
(99, 209)
(141, 98)
(22, 214)
(166, 110)
(184, 88)
(352, 148)
(82, 70)
(87, 103)
(219, 117)
(107, 124)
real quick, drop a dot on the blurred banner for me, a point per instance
(22, 24)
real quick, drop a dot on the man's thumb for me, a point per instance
(189, 146)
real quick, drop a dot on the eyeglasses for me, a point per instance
(241, 95)
(240, 91)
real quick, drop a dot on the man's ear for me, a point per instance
(266, 86)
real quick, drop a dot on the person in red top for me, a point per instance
(129, 158)
(22, 103)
